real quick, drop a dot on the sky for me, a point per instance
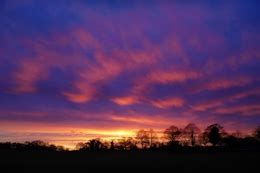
(75, 70)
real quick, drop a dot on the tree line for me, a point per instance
(31, 145)
(173, 138)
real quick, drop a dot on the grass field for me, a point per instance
(200, 161)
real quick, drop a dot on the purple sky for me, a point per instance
(87, 69)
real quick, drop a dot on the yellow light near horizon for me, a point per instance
(123, 133)
(112, 133)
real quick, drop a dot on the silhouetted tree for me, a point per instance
(232, 141)
(126, 143)
(203, 138)
(6, 145)
(153, 138)
(237, 134)
(112, 146)
(214, 133)
(37, 145)
(81, 146)
(60, 148)
(249, 141)
(191, 130)
(142, 138)
(95, 144)
(171, 134)
(33, 145)
(53, 147)
(256, 133)
(92, 145)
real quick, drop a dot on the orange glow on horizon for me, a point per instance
(64, 135)
(68, 135)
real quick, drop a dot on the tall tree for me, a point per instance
(203, 138)
(112, 145)
(171, 134)
(93, 145)
(257, 133)
(191, 130)
(126, 143)
(214, 133)
(142, 137)
(153, 138)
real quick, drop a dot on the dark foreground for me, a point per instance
(155, 161)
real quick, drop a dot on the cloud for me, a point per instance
(244, 110)
(203, 106)
(219, 101)
(27, 76)
(163, 77)
(140, 120)
(234, 60)
(41, 55)
(224, 83)
(126, 100)
(169, 102)
(78, 98)
(172, 76)
(158, 121)
(222, 100)
(84, 39)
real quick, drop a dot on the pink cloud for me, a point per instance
(246, 110)
(28, 74)
(223, 83)
(206, 105)
(159, 121)
(233, 60)
(163, 77)
(169, 102)
(77, 98)
(44, 56)
(228, 83)
(172, 76)
(125, 100)
(209, 104)
(141, 120)
(84, 38)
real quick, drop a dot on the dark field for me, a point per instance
(158, 161)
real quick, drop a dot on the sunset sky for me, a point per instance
(75, 70)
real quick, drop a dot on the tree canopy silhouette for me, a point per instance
(214, 133)
(191, 130)
(171, 135)
(257, 133)
(92, 145)
(126, 143)
(142, 137)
